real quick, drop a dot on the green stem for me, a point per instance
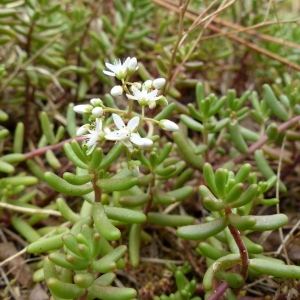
(149, 203)
(97, 189)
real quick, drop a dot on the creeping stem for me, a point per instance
(242, 248)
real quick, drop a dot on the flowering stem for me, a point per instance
(113, 110)
(130, 108)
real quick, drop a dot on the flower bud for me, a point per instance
(83, 108)
(133, 166)
(116, 91)
(132, 66)
(162, 101)
(148, 84)
(159, 83)
(96, 102)
(168, 125)
(138, 85)
(97, 112)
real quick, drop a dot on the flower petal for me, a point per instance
(91, 149)
(109, 73)
(147, 142)
(136, 139)
(131, 97)
(98, 126)
(152, 94)
(112, 67)
(127, 144)
(118, 121)
(113, 136)
(133, 123)
(137, 93)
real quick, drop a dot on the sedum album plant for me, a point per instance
(82, 260)
(124, 171)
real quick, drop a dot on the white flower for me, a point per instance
(94, 136)
(120, 70)
(116, 91)
(168, 125)
(83, 108)
(97, 112)
(159, 83)
(144, 97)
(126, 135)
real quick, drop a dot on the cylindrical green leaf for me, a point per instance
(63, 289)
(211, 252)
(241, 223)
(237, 138)
(118, 184)
(235, 193)
(252, 247)
(273, 104)
(47, 128)
(103, 225)
(209, 177)
(125, 215)
(243, 173)
(113, 256)
(221, 178)
(13, 158)
(191, 123)
(60, 259)
(84, 280)
(45, 245)
(78, 179)
(112, 293)
(112, 155)
(66, 211)
(64, 187)
(264, 266)
(169, 220)
(6, 167)
(246, 197)
(73, 157)
(52, 160)
(135, 200)
(134, 244)
(202, 231)
(27, 231)
(96, 158)
(18, 138)
(266, 223)
(265, 168)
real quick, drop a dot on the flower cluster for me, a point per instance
(97, 131)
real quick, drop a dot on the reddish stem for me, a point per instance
(219, 291)
(264, 139)
(51, 147)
